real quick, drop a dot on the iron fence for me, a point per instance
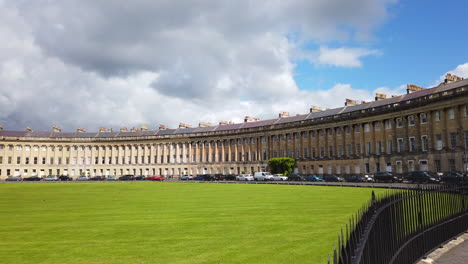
(401, 226)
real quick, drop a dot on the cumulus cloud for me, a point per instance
(128, 63)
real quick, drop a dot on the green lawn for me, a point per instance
(153, 222)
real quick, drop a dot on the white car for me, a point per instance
(263, 176)
(51, 178)
(82, 178)
(244, 177)
(279, 177)
(186, 177)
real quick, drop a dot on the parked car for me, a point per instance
(97, 178)
(155, 178)
(186, 177)
(332, 178)
(111, 178)
(13, 178)
(295, 177)
(65, 178)
(422, 177)
(244, 177)
(33, 178)
(451, 177)
(279, 177)
(386, 177)
(313, 178)
(82, 178)
(199, 178)
(140, 178)
(263, 176)
(209, 177)
(368, 178)
(230, 177)
(355, 178)
(51, 178)
(127, 177)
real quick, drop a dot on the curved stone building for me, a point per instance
(425, 129)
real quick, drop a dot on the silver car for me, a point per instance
(51, 178)
(13, 178)
(82, 178)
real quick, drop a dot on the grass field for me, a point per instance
(153, 222)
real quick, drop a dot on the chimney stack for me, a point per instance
(56, 129)
(222, 122)
(29, 129)
(411, 88)
(102, 129)
(449, 78)
(134, 129)
(1, 127)
(350, 102)
(283, 114)
(123, 129)
(162, 127)
(80, 130)
(143, 128)
(315, 109)
(183, 125)
(110, 130)
(204, 124)
(248, 119)
(380, 96)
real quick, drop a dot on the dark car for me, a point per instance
(97, 178)
(13, 178)
(127, 177)
(198, 178)
(422, 177)
(230, 177)
(140, 178)
(452, 177)
(295, 177)
(210, 177)
(386, 177)
(313, 178)
(65, 178)
(33, 178)
(332, 178)
(355, 178)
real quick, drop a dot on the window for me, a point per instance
(368, 148)
(410, 165)
(438, 141)
(27, 148)
(10, 147)
(388, 124)
(424, 143)
(357, 128)
(43, 160)
(399, 122)
(423, 118)
(264, 154)
(377, 126)
(304, 134)
(338, 131)
(9, 160)
(465, 108)
(51, 160)
(19, 147)
(35, 160)
(1, 160)
(313, 153)
(451, 114)
(366, 127)
(340, 150)
(466, 139)
(401, 145)
(282, 137)
(452, 165)
(274, 138)
(437, 166)
(358, 149)
(348, 130)
(378, 147)
(453, 140)
(437, 117)
(306, 154)
(2, 146)
(275, 154)
(246, 141)
(411, 121)
(330, 131)
(289, 136)
(322, 152)
(389, 146)
(18, 160)
(412, 144)
(321, 132)
(330, 151)
(312, 133)
(349, 149)
(296, 135)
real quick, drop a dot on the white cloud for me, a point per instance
(81, 64)
(461, 70)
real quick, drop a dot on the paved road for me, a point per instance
(454, 252)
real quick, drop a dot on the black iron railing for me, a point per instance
(401, 226)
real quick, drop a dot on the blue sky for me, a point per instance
(419, 42)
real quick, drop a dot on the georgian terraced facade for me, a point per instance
(425, 129)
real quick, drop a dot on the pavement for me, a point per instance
(453, 252)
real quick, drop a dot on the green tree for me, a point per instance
(283, 166)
